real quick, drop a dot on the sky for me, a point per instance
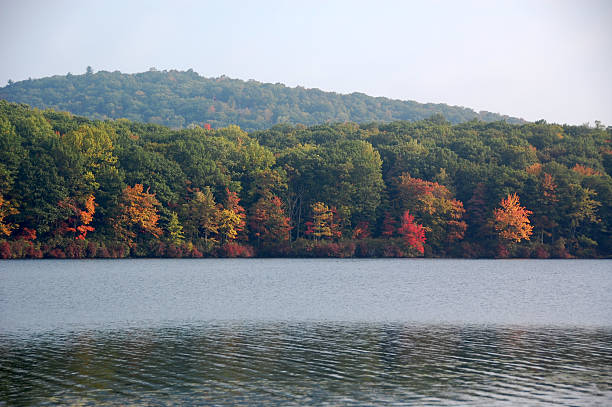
(535, 59)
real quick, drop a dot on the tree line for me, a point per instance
(180, 99)
(74, 187)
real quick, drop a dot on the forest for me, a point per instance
(181, 99)
(73, 187)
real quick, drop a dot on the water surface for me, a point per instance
(295, 332)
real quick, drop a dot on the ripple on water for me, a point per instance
(301, 363)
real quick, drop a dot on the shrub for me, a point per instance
(5, 250)
(92, 249)
(502, 252)
(103, 252)
(76, 249)
(233, 249)
(333, 249)
(541, 252)
(57, 253)
(160, 250)
(174, 251)
(34, 252)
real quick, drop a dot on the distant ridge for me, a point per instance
(184, 98)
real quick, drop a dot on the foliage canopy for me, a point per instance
(75, 187)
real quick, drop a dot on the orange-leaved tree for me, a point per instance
(362, 230)
(137, 214)
(586, 171)
(78, 219)
(6, 209)
(511, 221)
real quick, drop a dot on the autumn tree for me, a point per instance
(232, 219)
(511, 221)
(412, 233)
(434, 206)
(78, 219)
(362, 230)
(323, 224)
(268, 221)
(202, 215)
(586, 171)
(583, 209)
(6, 209)
(137, 214)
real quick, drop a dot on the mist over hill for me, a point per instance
(181, 99)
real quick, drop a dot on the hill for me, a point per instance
(180, 99)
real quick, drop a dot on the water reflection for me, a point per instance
(308, 363)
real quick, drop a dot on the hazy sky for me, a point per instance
(549, 59)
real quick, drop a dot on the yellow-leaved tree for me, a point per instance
(6, 210)
(511, 221)
(137, 214)
(232, 219)
(323, 224)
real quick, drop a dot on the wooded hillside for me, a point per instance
(182, 99)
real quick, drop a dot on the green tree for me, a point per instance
(202, 216)
(175, 230)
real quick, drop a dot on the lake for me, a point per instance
(306, 331)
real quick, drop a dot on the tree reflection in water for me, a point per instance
(309, 363)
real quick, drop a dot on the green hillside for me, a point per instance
(179, 99)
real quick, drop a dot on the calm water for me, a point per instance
(295, 332)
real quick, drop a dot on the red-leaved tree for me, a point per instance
(268, 221)
(412, 233)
